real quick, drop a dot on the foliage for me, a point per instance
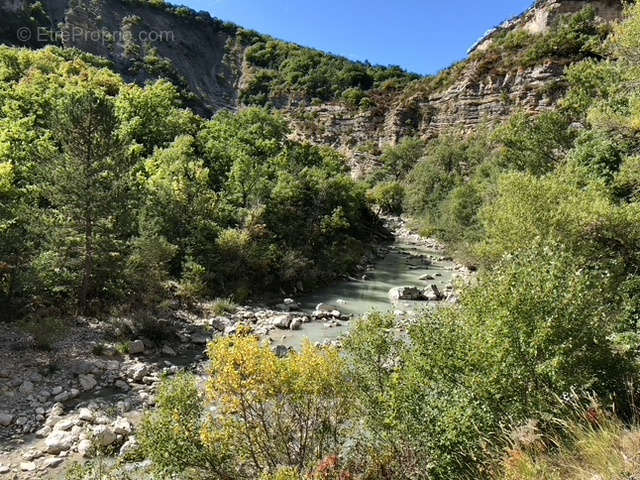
(286, 69)
(530, 330)
(387, 196)
(396, 161)
(275, 412)
(591, 443)
(171, 435)
(112, 192)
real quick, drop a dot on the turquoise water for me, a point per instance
(403, 265)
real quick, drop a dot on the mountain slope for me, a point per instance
(354, 107)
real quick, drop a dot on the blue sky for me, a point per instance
(422, 36)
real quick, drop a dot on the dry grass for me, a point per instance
(593, 446)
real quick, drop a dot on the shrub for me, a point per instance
(275, 412)
(535, 328)
(222, 306)
(171, 435)
(45, 331)
(388, 197)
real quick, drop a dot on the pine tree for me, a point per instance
(87, 186)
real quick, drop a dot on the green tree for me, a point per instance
(86, 186)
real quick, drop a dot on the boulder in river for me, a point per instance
(281, 321)
(405, 293)
(433, 294)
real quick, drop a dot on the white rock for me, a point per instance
(130, 445)
(296, 324)
(122, 426)
(135, 347)
(138, 371)
(59, 441)
(103, 435)
(323, 307)
(87, 382)
(4, 469)
(86, 415)
(56, 390)
(27, 466)
(5, 419)
(281, 321)
(84, 447)
(405, 293)
(52, 462)
(65, 424)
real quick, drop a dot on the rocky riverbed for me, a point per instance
(89, 391)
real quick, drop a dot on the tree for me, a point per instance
(86, 187)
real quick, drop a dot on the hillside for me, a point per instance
(220, 299)
(353, 107)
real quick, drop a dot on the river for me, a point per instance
(402, 263)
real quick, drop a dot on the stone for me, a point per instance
(103, 435)
(198, 339)
(218, 324)
(281, 321)
(427, 277)
(122, 385)
(65, 424)
(59, 441)
(129, 446)
(167, 350)
(56, 390)
(62, 397)
(53, 462)
(5, 419)
(27, 466)
(138, 371)
(122, 426)
(281, 351)
(86, 415)
(26, 388)
(136, 347)
(4, 469)
(405, 293)
(325, 308)
(432, 293)
(296, 324)
(85, 447)
(43, 432)
(87, 382)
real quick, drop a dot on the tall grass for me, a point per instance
(592, 444)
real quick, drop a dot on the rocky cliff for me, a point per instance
(208, 60)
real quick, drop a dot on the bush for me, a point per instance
(171, 435)
(388, 197)
(536, 327)
(275, 412)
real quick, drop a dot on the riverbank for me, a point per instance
(90, 389)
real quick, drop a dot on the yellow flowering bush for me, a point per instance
(275, 412)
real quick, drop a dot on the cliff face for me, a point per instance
(143, 42)
(207, 58)
(484, 91)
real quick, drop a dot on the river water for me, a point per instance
(402, 264)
